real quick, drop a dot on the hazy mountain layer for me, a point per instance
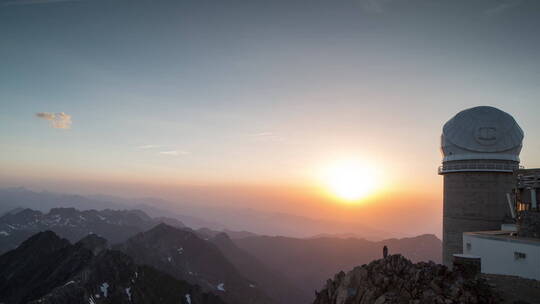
(309, 262)
(193, 214)
(274, 283)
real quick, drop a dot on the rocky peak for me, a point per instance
(94, 243)
(46, 241)
(141, 214)
(395, 279)
(24, 215)
(164, 232)
(222, 237)
(162, 227)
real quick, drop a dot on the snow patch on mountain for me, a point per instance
(128, 293)
(104, 288)
(221, 287)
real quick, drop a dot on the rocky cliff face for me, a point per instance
(397, 280)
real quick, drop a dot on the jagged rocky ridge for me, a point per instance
(73, 224)
(48, 269)
(184, 255)
(395, 279)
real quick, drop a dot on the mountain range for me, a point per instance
(184, 255)
(246, 268)
(114, 225)
(48, 269)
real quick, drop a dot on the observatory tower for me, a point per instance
(481, 149)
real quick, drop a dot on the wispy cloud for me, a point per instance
(502, 7)
(167, 153)
(146, 147)
(266, 136)
(59, 120)
(174, 153)
(262, 134)
(31, 2)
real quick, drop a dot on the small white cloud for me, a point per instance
(174, 153)
(59, 120)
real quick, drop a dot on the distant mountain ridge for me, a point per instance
(194, 215)
(223, 218)
(114, 225)
(21, 197)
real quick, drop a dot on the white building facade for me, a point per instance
(502, 252)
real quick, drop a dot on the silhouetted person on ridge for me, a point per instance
(385, 251)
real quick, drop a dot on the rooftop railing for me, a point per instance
(478, 167)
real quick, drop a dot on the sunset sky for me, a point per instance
(247, 103)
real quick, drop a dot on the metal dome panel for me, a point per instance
(483, 130)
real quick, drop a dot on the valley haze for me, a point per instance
(195, 215)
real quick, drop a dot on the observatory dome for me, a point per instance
(481, 133)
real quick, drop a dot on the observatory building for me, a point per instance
(480, 149)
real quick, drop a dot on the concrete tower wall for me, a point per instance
(473, 201)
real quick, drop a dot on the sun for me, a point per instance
(350, 180)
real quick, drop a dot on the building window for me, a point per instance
(519, 256)
(468, 247)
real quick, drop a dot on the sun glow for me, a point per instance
(350, 180)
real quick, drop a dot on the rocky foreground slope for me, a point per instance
(395, 279)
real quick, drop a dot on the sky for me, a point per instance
(246, 102)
